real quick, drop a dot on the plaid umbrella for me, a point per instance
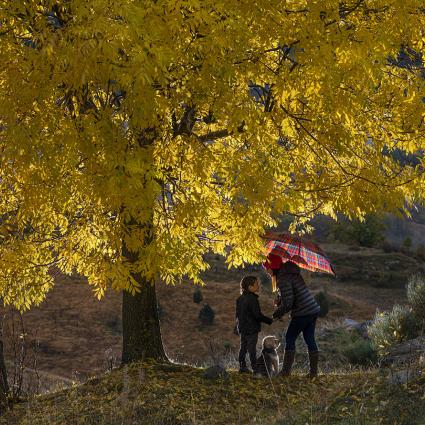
(305, 253)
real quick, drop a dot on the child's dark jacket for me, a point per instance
(248, 314)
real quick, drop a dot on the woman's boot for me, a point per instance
(288, 361)
(314, 362)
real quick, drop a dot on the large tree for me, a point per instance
(135, 136)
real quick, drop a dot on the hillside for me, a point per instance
(75, 334)
(157, 394)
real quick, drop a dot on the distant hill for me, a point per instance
(397, 229)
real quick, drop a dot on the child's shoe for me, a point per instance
(243, 368)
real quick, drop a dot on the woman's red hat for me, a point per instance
(273, 262)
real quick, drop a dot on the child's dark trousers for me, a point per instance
(248, 345)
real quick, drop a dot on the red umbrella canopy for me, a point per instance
(305, 253)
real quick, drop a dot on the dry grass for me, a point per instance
(171, 394)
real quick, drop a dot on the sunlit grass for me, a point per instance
(154, 393)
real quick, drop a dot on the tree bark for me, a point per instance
(141, 330)
(140, 322)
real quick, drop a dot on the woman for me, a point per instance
(295, 297)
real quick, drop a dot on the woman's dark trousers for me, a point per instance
(248, 345)
(306, 325)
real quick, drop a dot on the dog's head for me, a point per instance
(271, 342)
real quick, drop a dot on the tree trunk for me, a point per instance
(140, 323)
(141, 331)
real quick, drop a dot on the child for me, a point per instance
(249, 318)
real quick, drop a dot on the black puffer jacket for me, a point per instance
(294, 294)
(248, 314)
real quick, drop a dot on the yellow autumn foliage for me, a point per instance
(180, 127)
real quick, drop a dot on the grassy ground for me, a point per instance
(173, 394)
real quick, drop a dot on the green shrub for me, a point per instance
(114, 324)
(369, 232)
(206, 315)
(420, 252)
(406, 246)
(197, 296)
(392, 327)
(322, 299)
(416, 296)
(389, 247)
(407, 243)
(228, 347)
(361, 352)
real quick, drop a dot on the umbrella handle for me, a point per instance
(274, 284)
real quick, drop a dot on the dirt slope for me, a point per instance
(75, 333)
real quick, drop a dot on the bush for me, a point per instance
(206, 315)
(393, 327)
(322, 299)
(407, 243)
(228, 347)
(114, 324)
(197, 296)
(389, 247)
(416, 296)
(420, 252)
(361, 352)
(369, 232)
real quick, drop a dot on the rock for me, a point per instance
(403, 376)
(361, 328)
(406, 353)
(215, 372)
(349, 323)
